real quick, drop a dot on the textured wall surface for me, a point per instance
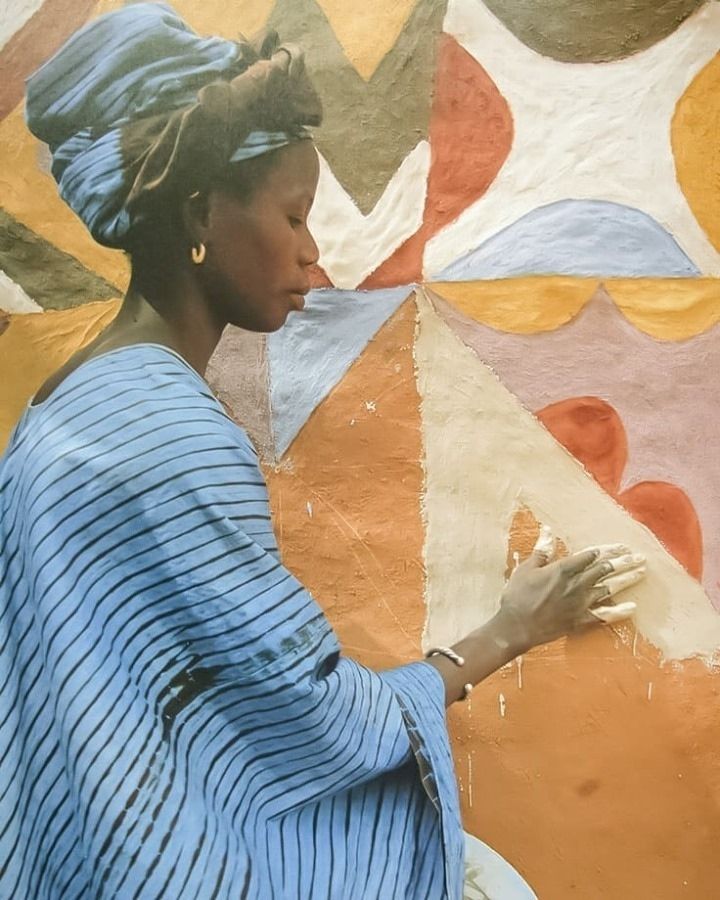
(515, 320)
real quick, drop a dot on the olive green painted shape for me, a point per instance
(368, 127)
(591, 30)
(53, 279)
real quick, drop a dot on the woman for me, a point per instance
(177, 718)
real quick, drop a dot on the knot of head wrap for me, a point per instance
(138, 110)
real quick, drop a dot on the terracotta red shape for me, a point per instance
(318, 277)
(471, 132)
(43, 33)
(591, 429)
(669, 514)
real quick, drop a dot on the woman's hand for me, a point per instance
(544, 600)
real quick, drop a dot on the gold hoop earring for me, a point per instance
(198, 254)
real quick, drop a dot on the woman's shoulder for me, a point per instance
(128, 391)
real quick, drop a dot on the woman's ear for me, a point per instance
(195, 212)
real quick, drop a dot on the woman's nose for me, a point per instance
(310, 253)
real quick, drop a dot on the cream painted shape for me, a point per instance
(13, 15)
(353, 245)
(484, 456)
(583, 131)
(13, 298)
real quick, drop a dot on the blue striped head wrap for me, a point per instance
(137, 110)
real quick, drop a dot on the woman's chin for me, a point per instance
(297, 302)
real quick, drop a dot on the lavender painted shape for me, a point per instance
(576, 237)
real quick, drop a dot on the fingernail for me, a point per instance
(613, 549)
(638, 558)
(627, 608)
(545, 543)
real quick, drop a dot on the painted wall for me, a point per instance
(516, 320)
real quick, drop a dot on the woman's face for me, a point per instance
(259, 250)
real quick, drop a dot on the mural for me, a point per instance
(515, 321)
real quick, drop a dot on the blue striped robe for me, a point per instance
(176, 719)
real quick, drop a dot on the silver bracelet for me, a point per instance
(447, 652)
(455, 658)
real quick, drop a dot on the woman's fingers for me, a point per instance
(618, 612)
(613, 584)
(578, 562)
(610, 566)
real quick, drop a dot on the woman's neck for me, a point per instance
(174, 316)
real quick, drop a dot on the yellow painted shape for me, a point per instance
(695, 135)
(106, 6)
(367, 29)
(222, 19)
(36, 344)
(30, 194)
(519, 305)
(212, 17)
(671, 309)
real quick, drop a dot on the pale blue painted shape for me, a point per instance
(576, 237)
(490, 877)
(309, 355)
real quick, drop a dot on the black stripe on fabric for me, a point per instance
(52, 402)
(121, 563)
(27, 732)
(131, 498)
(170, 778)
(181, 802)
(214, 576)
(219, 880)
(316, 813)
(169, 500)
(19, 805)
(188, 750)
(86, 711)
(283, 752)
(124, 561)
(130, 436)
(147, 588)
(162, 893)
(45, 438)
(12, 707)
(409, 811)
(41, 487)
(46, 824)
(115, 371)
(356, 869)
(48, 854)
(83, 889)
(40, 710)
